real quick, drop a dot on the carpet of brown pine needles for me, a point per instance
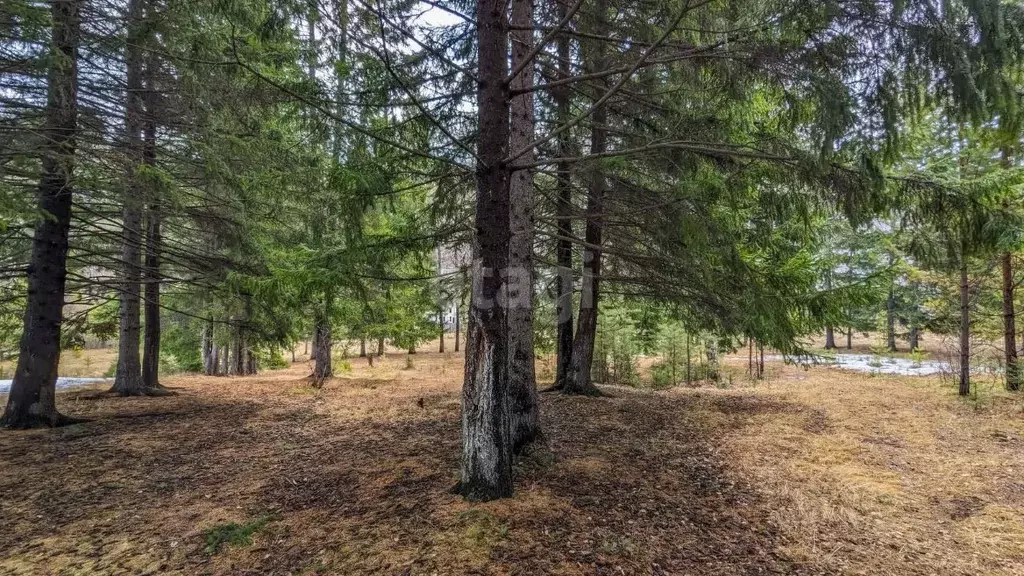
(811, 472)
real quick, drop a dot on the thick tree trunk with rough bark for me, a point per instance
(563, 211)
(522, 378)
(154, 217)
(830, 338)
(208, 350)
(322, 368)
(965, 328)
(486, 471)
(579, 379)
(915, 337)
(380, 346)
(128, 379)
(215, 360)
(362, 347)
(32, 400)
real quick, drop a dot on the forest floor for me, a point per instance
(812, 471)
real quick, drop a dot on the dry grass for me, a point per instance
(890, 475)
(93, 362)
(816, 471)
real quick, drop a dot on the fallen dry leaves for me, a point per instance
(814, 472)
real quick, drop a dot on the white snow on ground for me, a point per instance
(876, 364)
(62, 383)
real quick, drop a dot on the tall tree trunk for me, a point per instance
(128, 379)
(214, 357)
(915, 337)
(750, 357)
(760, 361)
(322, 369)
(687, 358)
(458, 326)
(522, 377)
(830, 337)
(225, 355)
(1009, 326)
(849, 338)
(1013, 377)
(362, 347)
(965, 326)
(563, 211)
(713, 367)
(486, 471)
(208, 349)
(440, 329)
(579, 380)
(380, 346)
(238, 354)
(890, 322)
(151, 336)
(32, 399)
(316, 346)
(250, 362)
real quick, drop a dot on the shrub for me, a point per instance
(272, 359)
(662, 374)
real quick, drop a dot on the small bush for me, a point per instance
(234, 534)
(917, 356)
(662, 376)
(169, 364)
(273, 359)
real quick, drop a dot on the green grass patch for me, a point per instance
(234, 534)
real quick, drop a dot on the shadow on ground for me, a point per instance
(357, 481)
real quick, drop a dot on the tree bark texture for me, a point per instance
(965, 329)
(522, 378)
(128, 379)
(32, 399)
(579, 380)
(563, 211)
(486, 470)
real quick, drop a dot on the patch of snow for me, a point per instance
(62, 383)
(875, 364)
